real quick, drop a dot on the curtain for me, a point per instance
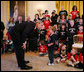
(68, 5)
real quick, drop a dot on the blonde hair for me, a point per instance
(52, 28)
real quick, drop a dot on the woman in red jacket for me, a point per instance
(74, 12)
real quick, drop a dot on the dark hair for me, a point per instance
(12, 19)
(73, 7)
(46, 11)
(63, 15)
(36, 14)
(43, 13)
(53, 12)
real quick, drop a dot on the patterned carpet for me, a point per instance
(8, 63)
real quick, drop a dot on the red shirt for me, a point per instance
(7, 34)
(69, 56)
(58, 49)
(81, 33)
(48, 16)
(74, 14)
(46, 24)
(43, 49)
(80, 57)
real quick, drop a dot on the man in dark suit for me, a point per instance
(19, 21)
(2, 30)
(19, 34)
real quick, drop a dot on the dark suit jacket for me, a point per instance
(17, 22)
(21, 31)
(2, 28)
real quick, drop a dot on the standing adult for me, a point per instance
(74, 12)
(19, 34)
(63, 12)
(19, 21)
(2, 29)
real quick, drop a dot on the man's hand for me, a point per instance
(24, 45)
(50, 44)
(1, 30)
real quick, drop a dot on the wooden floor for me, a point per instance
(9, 63)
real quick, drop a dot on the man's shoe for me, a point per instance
(26, 67)
(26, 62)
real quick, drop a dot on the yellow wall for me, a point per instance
(68, 6)
(5, 13)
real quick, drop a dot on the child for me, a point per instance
(51, 44)
(46, 14)
(80, 32)
(47, 34)
(72, 30)
(43, 49)
(36, 18)
(57, 33)
(70, 18)
(43, 17)
(62, 54)
(80, 64)
(54, 18)
(42, 33)
(72, 58)
(62, 20)
(9, 43)
(47, 23)
(80, 22)
(77, 18)
(63, 35)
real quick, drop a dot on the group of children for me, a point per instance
(57, 36)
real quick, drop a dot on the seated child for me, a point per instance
(80, 32)
(43, 49)
(72, 58)
(62, 54)
(77, 18)
(80, 22)
(80, 64)
(9, 43)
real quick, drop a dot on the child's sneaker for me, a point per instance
(50, 64)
